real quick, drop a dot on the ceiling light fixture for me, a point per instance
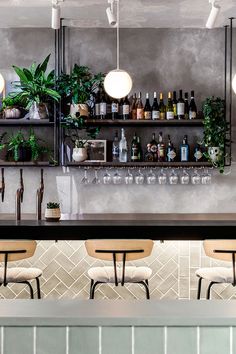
(117, 83)
(2, 84)
(56, 14)
(215, 9)
(110, 13)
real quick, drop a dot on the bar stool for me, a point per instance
(224, 250)
(16, 250)
(119, 251)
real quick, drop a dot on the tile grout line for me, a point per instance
(165, 340)
(198, 340)
(132, 341)
(67, 340)
(100, 339)
(34, 340)
(2, 339)
(231, 338)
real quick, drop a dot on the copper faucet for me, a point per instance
(39, 196)
(2, 188)
(19, 196)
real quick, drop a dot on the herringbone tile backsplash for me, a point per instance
(65, 265)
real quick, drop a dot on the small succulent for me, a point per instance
(53, 205)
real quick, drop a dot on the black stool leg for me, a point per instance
(91, 287)
(145, 284)
(199, 288)
(209, 290)
(38, 288)
(30, 288)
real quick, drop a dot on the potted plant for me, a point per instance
(52, 212)
(78, 89)
(36, 88)
(80, 151)
(13, 107)
(215, 130)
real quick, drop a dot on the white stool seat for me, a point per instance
(216, 274)
(132, 274)
(19, 274)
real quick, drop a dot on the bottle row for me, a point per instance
(156, 151)
(133, 108)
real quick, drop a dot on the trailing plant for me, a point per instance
(53, 205)
(215, 128)
(34, 85)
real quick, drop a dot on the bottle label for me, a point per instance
(198, 155)
(175, 109)
(184, 153)
(125, 110)
(153, 149)
(147, 115)
(180, 109)
(155, 115)
(140, 114)
(103, 109)
(115, 152)
(97, 109)
(169, 115)
(162, 115)
(192, 115)
(134, 154)
(161, 152)
(114, 107)
(171, 155)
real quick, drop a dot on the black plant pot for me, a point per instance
(24, 154)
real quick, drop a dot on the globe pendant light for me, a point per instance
(118, 83)
(234, 84)
(2, 84)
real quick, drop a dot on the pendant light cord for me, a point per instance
(118, 36)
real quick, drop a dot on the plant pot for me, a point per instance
(12, 113)
(79, 154)
(52, 214)
(39, 111)
(214, 153)
(82, 108)
(24, 154)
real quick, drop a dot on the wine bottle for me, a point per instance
(115, 147)
(125, 108)
(103, 106)
(155, 108)
(154, 144)
(147, 109)
(160, 149)
(134, 149)
(114, 109)
(140, 152)
(123, 147)
(186, 106)
(162, 107)
(140, 110)
(180, 106)
(134, 107)
(169, 108)
(184, 150)
(192, 107)
(175, 104)
(171, 152)
(148, 157)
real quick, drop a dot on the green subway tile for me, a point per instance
(116, 340)
(149, 340)
(83, 340)
(18, 340)
(215, 340)
(51, 340)
(182, 340)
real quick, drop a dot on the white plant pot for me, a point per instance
(38, 111)
(79, 154)
(52, 214)
(82, 108)
(214, 153)
(12, 113)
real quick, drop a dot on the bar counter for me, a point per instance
(123, 226)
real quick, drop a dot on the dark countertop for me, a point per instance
(154, 226)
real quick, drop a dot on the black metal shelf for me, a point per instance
(131, 122)
(26, 164)
(139, 164)
(26, 122)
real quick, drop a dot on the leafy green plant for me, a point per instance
(12, 101)
(35, 86)
(53, 205)
(215, 128)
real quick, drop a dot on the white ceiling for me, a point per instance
(134, 13)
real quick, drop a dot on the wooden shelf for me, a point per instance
(139, 164)
(25, 122)
(28, 163)
(130, 122)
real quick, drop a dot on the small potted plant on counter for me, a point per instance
(215, 131)
(52, 212)
(78, 89)
(36, 88)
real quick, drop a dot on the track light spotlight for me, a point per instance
(56, 14)
(215, 9)
(110, 13)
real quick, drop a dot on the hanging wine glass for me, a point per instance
(185, 178)
(107, 178)
(196, 178)
(162, 178)
(96, 179)
(117, 178)
(173, 177)
(139, 179)
(85, 179)
(151, 177)
(206, 177)
(129, 178)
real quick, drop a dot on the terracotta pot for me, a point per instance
(52, 214)
(79, 154)
(214, 153)
(12, 113)
(82, 108)
(39, 111)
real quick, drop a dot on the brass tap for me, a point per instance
(39, 196)
(19, 196)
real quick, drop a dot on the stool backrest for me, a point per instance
(104, 249)
(16, 249)
(220, 249)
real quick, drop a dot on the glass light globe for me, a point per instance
(234, 84)
(2, 83)
(118, 83)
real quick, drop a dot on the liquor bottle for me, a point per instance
(171, 152)
(140, 110)
(186, 106)
(140, 152)
(97, 104)
(155, 108)
(169, 108)
(184, 150)
(134, 107)
(160, 149)
(147, 109)
(108, 100)
(125, 108)
(148, 157)
(175, 104)
(115, 147)
(162, 107)
(123, 147)
(134, 149)
(114, 109)
(180, 106)
(154, 144)
(103, 106)
(198, 155)
(192, 107)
